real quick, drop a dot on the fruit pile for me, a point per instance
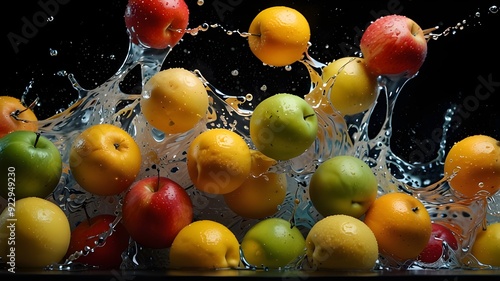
(359, 222)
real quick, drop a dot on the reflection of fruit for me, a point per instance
(486, 246)
(280, 36)
(218, 161)
(176, 100)
(104, 159)
(343, 184)
(156, 24)
(15, 116)
(394, 45)
(272, 243)
(434, 250)
(283, 126)
(107, 255)
(261, 193)
(205, 244)
(354, 87)
(475, 159)
(31, 165)
(341, 242)
(401, 224)
(154, 210)
(41, 233)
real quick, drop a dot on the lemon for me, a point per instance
(486, 247)
(218, 161)
(205, 244)
(341, 242)
(36, 236)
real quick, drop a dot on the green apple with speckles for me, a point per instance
(343, 184)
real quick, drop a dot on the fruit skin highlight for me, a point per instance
(401, 225)
(15, 116)
(156, 24)
(272, 243)
(394, 45)
(341, 242)
(177, 100)
(280, 36)
(283, 126)
(343, 184)
(31, 165)
(97, 158)
(476, 159)
(205, 244)
(42, 233)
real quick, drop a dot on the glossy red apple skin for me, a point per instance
(86, 233)
(434, 249)
(394, 45)
(154, 210)
(156, 24)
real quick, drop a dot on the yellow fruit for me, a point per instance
(205, 244)
(476, 161)
(401, 225)
(261, 193)
(486, 247)
(354, 87)
(280, 36)
(218, 161)
(37, 236)
(341, 242)
(176, 100)
(104, 159)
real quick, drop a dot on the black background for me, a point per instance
(91, 42)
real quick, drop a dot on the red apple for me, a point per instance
(434, 249)
(87, 233)
(156, 24)
(394, 45)
(154, 210)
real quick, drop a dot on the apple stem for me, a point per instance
(158, 183)
(15, 114)
(37, 138)
(415, 209)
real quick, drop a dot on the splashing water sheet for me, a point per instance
(84, 71)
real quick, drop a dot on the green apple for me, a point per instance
(343, 184)
(31, 165)
(272, 243)
(283, 126)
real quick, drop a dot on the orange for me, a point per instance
(218, 161)
(279, 36)
(261, 193)
(476, 162)
(401, 225)
(205, 244)
(37, 235)
(354, 87)
(14, 116)
(486, 246)
(104, 159)
(174, 100)
(341, 242)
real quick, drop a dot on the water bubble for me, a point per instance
(52, 52)
(493, 9)
(234, 72)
